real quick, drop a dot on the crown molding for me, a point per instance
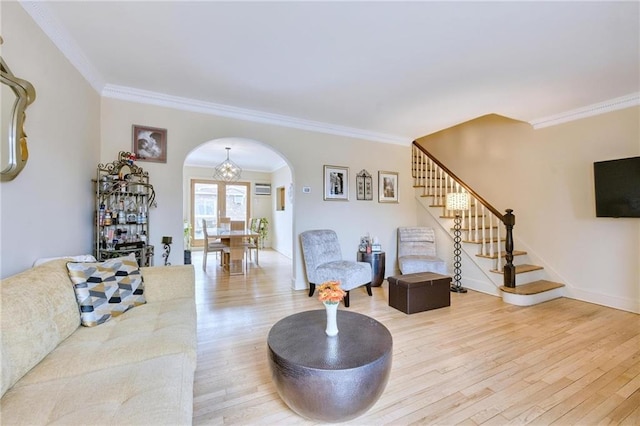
(186, 104)
(43, 17)
(41, 14)
(610, 105)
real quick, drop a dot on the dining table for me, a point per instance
(225, 233)
(236, 241)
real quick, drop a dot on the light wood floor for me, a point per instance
(479, 361)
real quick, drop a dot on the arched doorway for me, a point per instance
(262, 167)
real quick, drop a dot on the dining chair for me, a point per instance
(224, 222)
(252, 242)
(237, 225)
(210, 245)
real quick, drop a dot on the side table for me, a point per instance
(377, 260)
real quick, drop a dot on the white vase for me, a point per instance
(332, 322)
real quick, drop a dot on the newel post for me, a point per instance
(509, 269)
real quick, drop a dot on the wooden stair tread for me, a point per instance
(495, 255)
(534, 287)
(521, 269)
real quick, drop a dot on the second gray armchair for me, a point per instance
(417, 251)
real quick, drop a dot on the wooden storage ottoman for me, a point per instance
(419, 292)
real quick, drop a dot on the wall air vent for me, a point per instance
(263, 189)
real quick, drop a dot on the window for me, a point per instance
(211, 200)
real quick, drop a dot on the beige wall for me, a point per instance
(305, 152)
(47, 210)
(281, 225)
(546, 177)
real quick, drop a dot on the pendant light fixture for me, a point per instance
(227, 171)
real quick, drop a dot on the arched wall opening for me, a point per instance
(261, 163)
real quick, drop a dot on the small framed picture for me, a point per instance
(150, 143)
(364, 243)
(336, 183)
(388, 187)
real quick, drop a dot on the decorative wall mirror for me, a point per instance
(15, 95)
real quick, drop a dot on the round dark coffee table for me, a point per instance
(330, 379)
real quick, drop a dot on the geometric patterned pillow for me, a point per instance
(106, 289)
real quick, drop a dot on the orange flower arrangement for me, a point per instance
(330, 292)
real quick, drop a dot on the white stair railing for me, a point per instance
(482, 223)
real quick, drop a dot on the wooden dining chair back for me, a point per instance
(237, 225)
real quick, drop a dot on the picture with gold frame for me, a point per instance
(388, 187)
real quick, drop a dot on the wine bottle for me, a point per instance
(101, 214)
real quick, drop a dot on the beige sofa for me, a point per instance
(137, 368)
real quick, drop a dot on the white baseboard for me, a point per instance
(485, 287)
(299, 285)
(622, 303)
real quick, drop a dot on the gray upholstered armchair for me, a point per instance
(417, 251)
(323, 262)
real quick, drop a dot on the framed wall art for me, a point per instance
(388, 187)
(149, 143)
(336, 183)
(364, 186)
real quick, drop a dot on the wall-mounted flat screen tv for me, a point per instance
(617, 184)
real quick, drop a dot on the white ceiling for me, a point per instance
(388, 71)
(246, 153)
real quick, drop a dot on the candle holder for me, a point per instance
(166, 241)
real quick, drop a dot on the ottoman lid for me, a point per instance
(418, 279)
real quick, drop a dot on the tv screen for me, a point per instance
(617, 184)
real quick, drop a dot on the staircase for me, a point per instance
(486, 235)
